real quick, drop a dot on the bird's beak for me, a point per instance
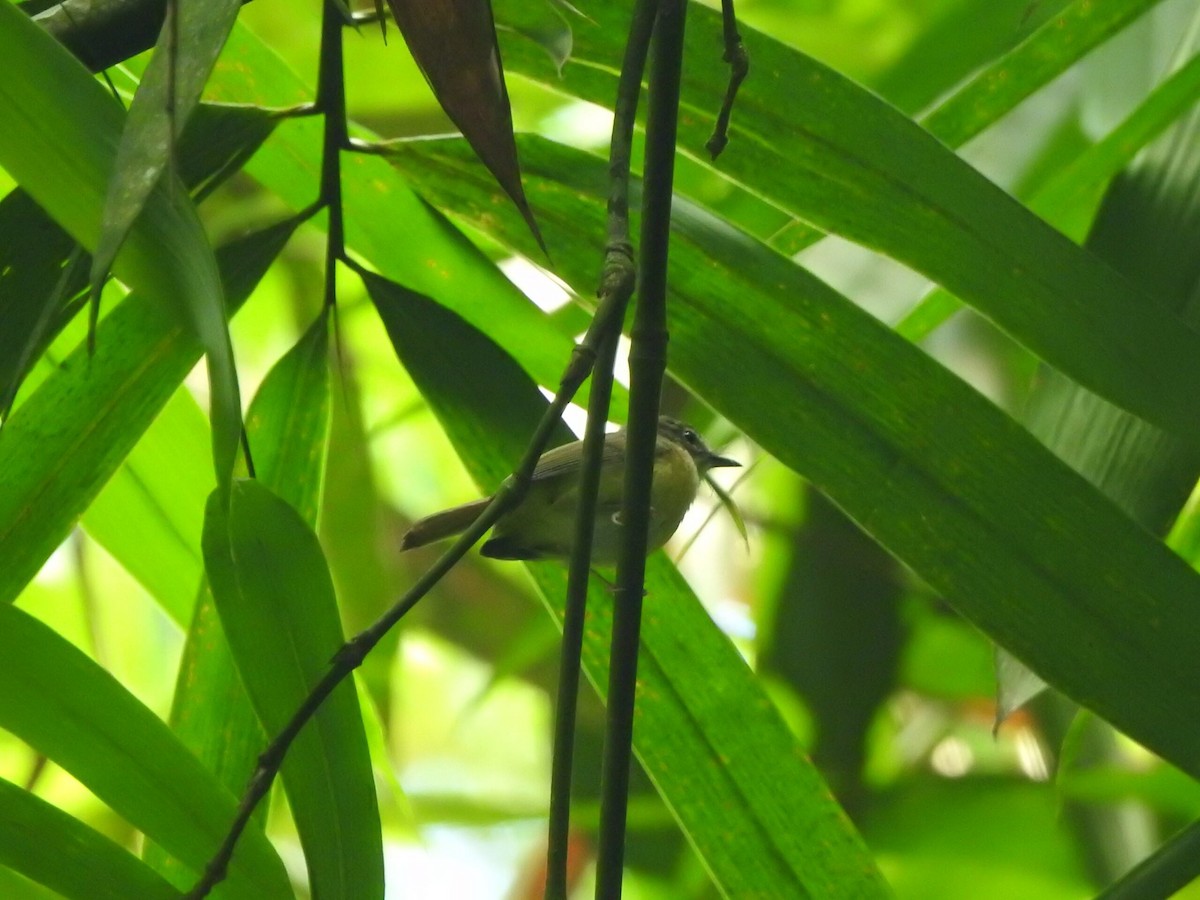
(717, 462)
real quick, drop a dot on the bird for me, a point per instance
(542, 526)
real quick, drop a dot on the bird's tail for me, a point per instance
(444, 524)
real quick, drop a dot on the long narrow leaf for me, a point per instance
(287, 426)
(52, 848)
(149, 514)
(66, 440)
(60, 142)
(1037, 60)
(705, 732)
(1020, 544)
(67, 707)
(1068, 200)
(837, 156)
(275, 597)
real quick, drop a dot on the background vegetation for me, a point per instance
(937, 294)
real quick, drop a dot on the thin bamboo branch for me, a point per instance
(647, 365)
(617, 282)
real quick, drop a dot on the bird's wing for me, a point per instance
(558, 468)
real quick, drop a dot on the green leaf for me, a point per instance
(1068, 200)
(387, 224)
(212, 717)
(18, 887)
(544, 23)
(288, 422)
(68, 708)
(845, 161)
(980, 102)
(149, 514)
(64, 442)
(34, 250)
(275, 597)
(1147, 227)
(1037, 60)
(953, 42)
(52, 848)
(939, 837)
(191, 38)
(706, 733)
(287, 427)
(60, 143)
(1019, 543)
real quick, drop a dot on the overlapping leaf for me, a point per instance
(60, 142)
(835, 155)
(286, 425)
(1022, 545)
(67, 439)
(388, 225)
(706, 733)
(275, 597)
(67, 707)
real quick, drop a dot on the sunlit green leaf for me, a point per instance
(275, 598)
(67, 707)
(60, 144)
(67, 439)
(60, 852)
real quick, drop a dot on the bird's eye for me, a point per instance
(691, 437)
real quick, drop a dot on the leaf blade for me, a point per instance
(971, 502)
(74, 712)
(709, 738)
(275, 597)
(60, 146)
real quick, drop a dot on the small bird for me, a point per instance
(542, 526)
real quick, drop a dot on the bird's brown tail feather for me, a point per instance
(444, 524)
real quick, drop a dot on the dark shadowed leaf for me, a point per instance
(454, 43)
(35, 254)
